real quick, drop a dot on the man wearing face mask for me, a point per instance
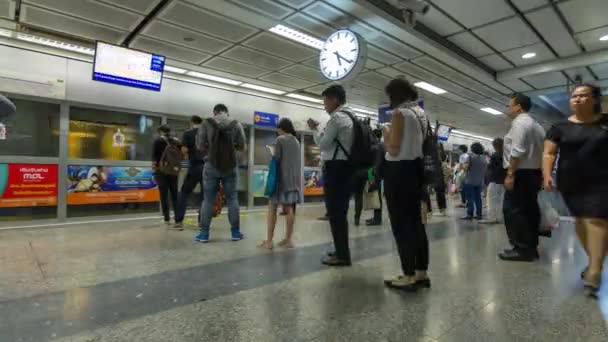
(523, 156)
(335, 143)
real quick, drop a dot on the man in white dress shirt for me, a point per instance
(523, 154)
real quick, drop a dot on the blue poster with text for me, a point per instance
(265, 119)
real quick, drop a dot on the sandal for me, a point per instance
(266, 244)
(286, 244)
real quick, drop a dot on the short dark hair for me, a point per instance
(400, 90)
(498, 142)
(596, 94)
(336, 91)
(164, 129)
(219, 108)
(477, 148)
(287, 126)
(523, 100)
(195, 119)
(463, 148)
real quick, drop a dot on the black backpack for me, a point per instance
(362, 149)
(432, 169)
(222, 154)
(171, 159)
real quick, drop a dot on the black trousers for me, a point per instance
(521, 210)
(441, 200)
(404, 192)
(167, 185)
(193, 177)
(359, 180)
(338, 176)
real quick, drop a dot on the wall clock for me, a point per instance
(343, 55)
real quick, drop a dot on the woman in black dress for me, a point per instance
(582, 175)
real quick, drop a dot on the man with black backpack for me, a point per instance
(166, 164)
(345, 148)
(196, 162)
(220, 138)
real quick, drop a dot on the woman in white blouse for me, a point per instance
(404, 185)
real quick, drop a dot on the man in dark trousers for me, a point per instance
(523, 156)
(196, 162)
(167, 182)
(335, 143)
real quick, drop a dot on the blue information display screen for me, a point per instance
(127, 67)
(265, 119)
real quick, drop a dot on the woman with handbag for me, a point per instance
(286, 189)
(582, 175)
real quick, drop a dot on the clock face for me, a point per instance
(341, 55)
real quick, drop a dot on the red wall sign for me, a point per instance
(28, 185)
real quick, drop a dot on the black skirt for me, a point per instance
(590, 203)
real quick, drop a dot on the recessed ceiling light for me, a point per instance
(305, 98)
(364, 111)
(264, 89)
(491, 111)
(528, 55)
(55, 44)
(604, 38)
(213, 78)
(175, 70)
(430, 87)
(297, 36)
(189, 39)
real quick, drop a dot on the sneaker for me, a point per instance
(178, 226)
(202, 237)
(237, 236)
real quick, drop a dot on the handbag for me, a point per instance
(371, 200)
(272, 180)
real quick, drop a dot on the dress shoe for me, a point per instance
(401, 283)
(516, 255)
(373, 222)
(323, 218)
(333, 261)
(467, 218)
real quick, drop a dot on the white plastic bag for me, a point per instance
(549, 214)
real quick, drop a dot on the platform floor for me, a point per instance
(137, 281)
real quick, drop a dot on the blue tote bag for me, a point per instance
(272, 181)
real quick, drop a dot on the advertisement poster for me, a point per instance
(110, 184)
(313, 183)
(259, 182)
(265, 119)
(28, 185)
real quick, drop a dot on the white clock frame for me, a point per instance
(355, 68)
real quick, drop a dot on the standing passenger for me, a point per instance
(335, 143)
(475, 167)
(219, 139)
(164, 159)
(523, 154)
(496, 189)
(403, 180)
(288, 192)
(582, 175)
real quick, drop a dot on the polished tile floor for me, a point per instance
(137, 281)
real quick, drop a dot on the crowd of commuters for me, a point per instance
(514, 174)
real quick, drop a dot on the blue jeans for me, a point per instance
(473, 195)
(211, 182)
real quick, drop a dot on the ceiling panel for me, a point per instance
(174, 34)
(100, 13)
(7, 9)
(204, 21)
(324, 12)
(373, 79)
(396, 47)
(496, 62)
(318, 90)
(553, 30)
(525, 5)
(507, 34)
(370, 64)
(542, 54)
(582, 72)
(309, 25)
(70, 25)
(296, 3)
(169, 50)
(235, 67)
(391, 72)
(470, 44)
(440, 23)
(304, 72)
(601, 70)
(266, 7)
(140, 6)
(411, 69)
(382, 56)
(256, 58)
(453, 97)
(516, 85)
(585, 15)
(591, 39)
(546, 80)
(286, 80)
(280, 47)
(473, 13)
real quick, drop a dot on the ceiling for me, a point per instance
(453, 47)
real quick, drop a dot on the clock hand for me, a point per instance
(338, 57)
